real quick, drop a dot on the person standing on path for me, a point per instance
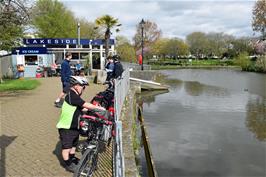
(68, 123)
(65, 78)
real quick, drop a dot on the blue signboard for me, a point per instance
(64, 41)
(29, 50)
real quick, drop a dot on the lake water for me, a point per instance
(211, 123)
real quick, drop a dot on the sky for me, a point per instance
(176, 18)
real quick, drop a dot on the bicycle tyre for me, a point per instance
(86, 165)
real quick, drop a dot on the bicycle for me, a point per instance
(98, 131)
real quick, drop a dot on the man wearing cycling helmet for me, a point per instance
(69, 120)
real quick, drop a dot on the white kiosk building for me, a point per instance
(43, 52)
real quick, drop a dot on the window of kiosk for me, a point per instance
(96, 61)
(84, 56)
(95, 47)
(75, 56)
(31, 60)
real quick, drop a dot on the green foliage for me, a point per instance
(241, 45)
(169, 47)
(107, 22)
(243, 61)
(126, 52)
(88, 30)
(260, 64)
(121, 40)
(14, 16)
(52, 20)
(217, 44)
(198, 43)
(19, 84)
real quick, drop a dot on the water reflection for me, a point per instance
(206, 127)
(256, 117)
(149, 96)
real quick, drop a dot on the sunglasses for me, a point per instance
(83, 86)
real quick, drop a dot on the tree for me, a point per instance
(14, 17)
(176, 47)
(259, 17)
(198, 43)
(151, 33)
(241, 45)
(126, 51)
(171, 47)
(88, 29)
(159, 47)
(121, 40)
(52, 19)
(218, 44)
(107, 22)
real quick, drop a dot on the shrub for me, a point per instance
(243, 61)
(260, 64)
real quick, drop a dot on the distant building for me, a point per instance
(46, 51)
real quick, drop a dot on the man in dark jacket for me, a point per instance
(118, 69)
(65, 78)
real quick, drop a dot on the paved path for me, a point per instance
(28, 136)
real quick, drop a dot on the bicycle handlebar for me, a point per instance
(96, 119)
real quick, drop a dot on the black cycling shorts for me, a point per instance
(69, 138)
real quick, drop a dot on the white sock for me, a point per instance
(57, 100)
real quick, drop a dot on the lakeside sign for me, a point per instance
(64, 41)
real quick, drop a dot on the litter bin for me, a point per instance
(39, 73)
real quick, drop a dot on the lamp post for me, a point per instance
(79, 38)
(142, 23)
(78, 34)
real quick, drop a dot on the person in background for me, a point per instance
(65, 78)
(78, 68)
(109, 68)
(118, 67)
(69, 120)
(20, 71)
(52, 69)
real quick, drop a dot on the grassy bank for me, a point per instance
(242, 61)
(177, 64)
(19, 84)
(164, 67)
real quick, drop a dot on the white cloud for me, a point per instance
(174, 18)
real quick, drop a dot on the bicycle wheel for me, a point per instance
(86, 165)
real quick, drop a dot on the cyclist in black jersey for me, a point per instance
(68, 123)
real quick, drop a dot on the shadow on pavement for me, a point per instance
(57, 152)
(4, 142)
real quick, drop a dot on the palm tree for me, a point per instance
(107, 22)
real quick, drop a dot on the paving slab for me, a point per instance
(28, 136)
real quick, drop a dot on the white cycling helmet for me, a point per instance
(77, 80)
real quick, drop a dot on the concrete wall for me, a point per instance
(6, 69)
(128, 117)
(146, 75)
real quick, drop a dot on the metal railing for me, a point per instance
(121, 89)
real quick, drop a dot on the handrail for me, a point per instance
(121, 89)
